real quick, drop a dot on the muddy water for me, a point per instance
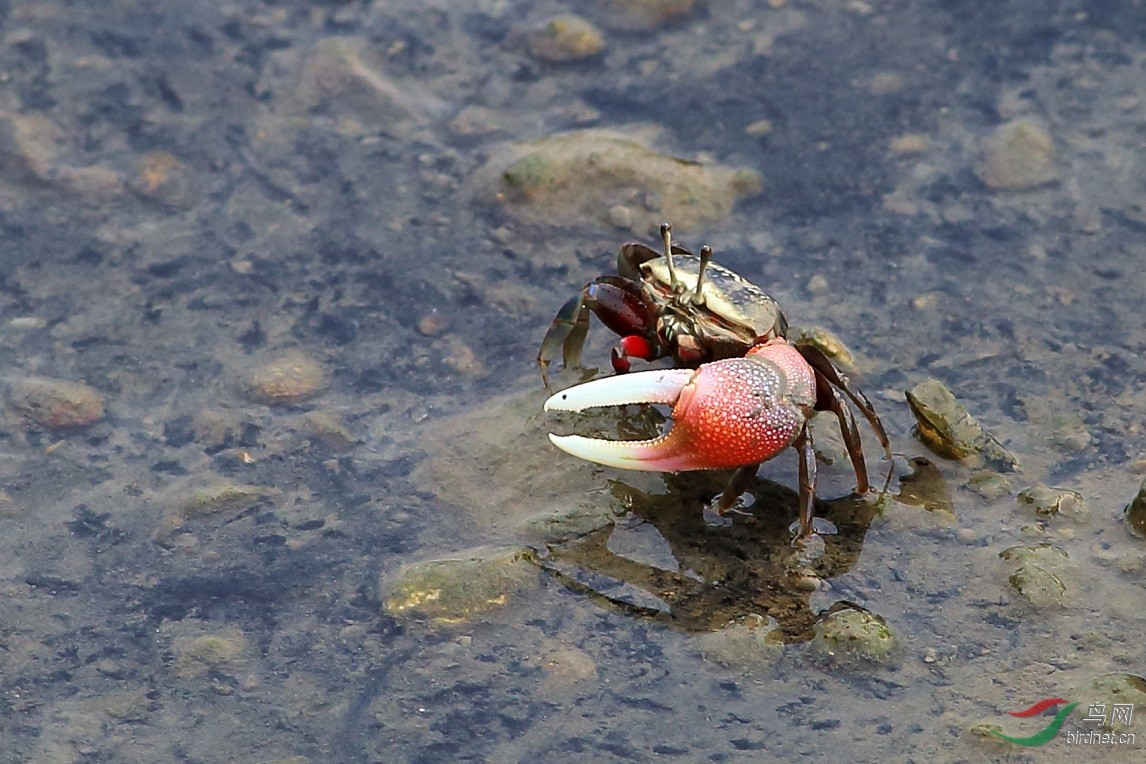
(264, 250)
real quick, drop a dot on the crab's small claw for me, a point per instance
(726, 414)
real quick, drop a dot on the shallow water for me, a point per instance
(188, 194)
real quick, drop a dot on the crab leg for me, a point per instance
(820, 362)
(848, 430)
(807, 472)
(567, 332)
(618, 303)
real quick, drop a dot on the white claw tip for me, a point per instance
(626, 455)
(660, 386)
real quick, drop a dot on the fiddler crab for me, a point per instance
(742, 394)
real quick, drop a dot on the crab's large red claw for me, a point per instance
(726, 414)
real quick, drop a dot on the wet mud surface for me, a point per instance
(274, 276)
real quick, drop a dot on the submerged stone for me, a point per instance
(567, 523)
(495, 462)
(1018, 156)
(644, 14)
(453, 589)
(566, 666)
(565, 38)
(1122, 697)
(195, 656)
(1043, 574)
(329, 429)
(215, 428)
(30, 147)
(57, 404)
(827, 439)
(1135, 512)
(990, 485)
(749, 641)
(1067, 430)
(848, 635)
(289, 379)
(1048, 501)
(222, 498)
(344, 77)
(827, 343)
(581, 177)
(947, 428)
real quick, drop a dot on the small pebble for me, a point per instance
(461, 358)
(57, 404)
(910, 143)
(27, 323)
(292, 378)
(817, 284)
(1018, 156)
(644, 14)
(621, 217)
(214, 428)
(565, 38)
(925, 301)
(476, 121)
(433, 323)
(759, 128)
(885, 83)
(330, 430)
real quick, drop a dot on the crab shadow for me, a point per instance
(720, 571)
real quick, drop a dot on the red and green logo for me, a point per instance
(1047, 733)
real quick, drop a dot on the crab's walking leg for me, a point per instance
(567, 332)
(820, 362)
(803, 446)
(620, 306)
(739, 483)
(830, 398)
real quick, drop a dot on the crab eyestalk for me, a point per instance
(666, 237)
(705, 259)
